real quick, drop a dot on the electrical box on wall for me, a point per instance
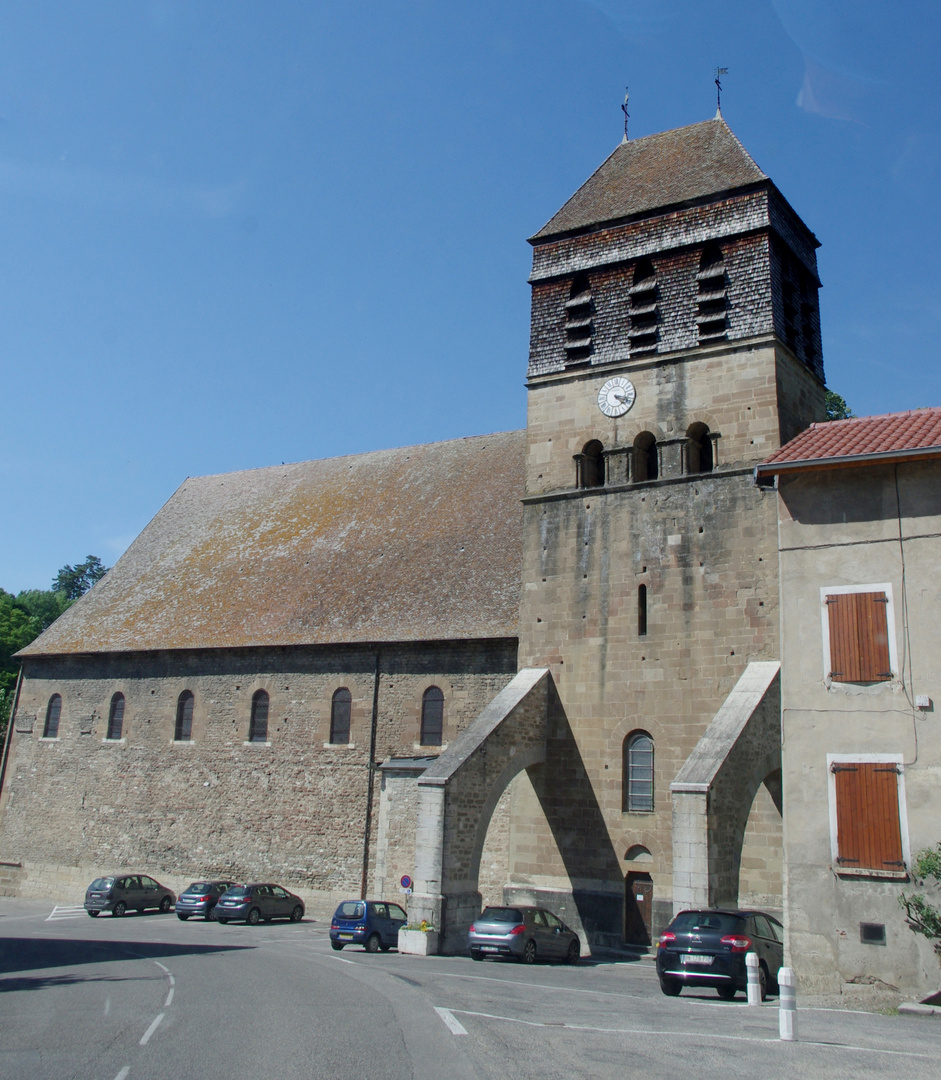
(922, 701)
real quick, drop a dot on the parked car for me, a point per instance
(200, 898)
(374, 924)
(119, 892)
(525, 933)
(255, 903)
(707, 948)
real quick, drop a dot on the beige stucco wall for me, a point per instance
(860, 527)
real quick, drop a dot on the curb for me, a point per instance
(916, 1008)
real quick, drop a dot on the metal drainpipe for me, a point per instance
(6, 742)
(370, 768)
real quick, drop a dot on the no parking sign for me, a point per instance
(406, 883)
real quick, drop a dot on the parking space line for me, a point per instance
(65, 911)
(153, 1027)
(123, 1073)
(169, 1000)
(454, 1025)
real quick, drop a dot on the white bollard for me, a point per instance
(787, 1005)
(751, 971)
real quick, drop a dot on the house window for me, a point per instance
(184, 717)
(868, 833)
(859, 648)
(53, 712)
(258, 727)
(340, 716)
(646, 458)
(116, 717)
(699, 457)
(432, 716)
(590, 465)
(637, 775)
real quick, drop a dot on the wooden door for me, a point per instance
(638, 903)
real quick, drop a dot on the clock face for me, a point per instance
(616, 396)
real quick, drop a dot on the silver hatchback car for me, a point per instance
(523, 933)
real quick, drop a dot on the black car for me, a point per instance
(708, 948)
(254, 903)
(200, 898)
(119, 892)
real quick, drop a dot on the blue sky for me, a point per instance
(241, 234)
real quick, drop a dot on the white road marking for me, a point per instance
(153, 1027)
(455, 1027)
(167, 1003)
(123, 1073)
(170, 977)
(66, 911)
(107, 1005)
(770, 1039)
(162, 968)
(342, 960)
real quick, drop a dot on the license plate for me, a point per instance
(695, 958)
(345, 937)
(489, 948)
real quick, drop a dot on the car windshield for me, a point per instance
(102, 883)
(200, 888)
(706, 920)
(238, 890)
(350, 910)
(502, 914)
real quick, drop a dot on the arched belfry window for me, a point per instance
(699, 449)
(116, 717)
(183, 732)
(258, 726)
(340, 709)
(578, 326)
(643, 308)
(53, 712)
(590, 465)
(646, 458)
(637, 776)
(712, 312)
(432, 716)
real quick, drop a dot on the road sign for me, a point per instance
(406, 882)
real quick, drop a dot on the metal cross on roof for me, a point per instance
(719, 71)
(627, 115)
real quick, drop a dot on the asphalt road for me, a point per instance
(151, 998)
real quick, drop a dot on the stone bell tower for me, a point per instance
(675, 343)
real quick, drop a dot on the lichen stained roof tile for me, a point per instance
(865, 436)
(419, 543)
(656, 171)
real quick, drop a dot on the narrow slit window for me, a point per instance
(258, 727)
(432, 717)
(642, 610)
(116, 717)
(53, 712)
(184, 717)
(340, 710)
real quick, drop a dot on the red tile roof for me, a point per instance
(665, 169)
(421, 543)
(916, 433)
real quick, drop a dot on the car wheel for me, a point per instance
(726, 992)
(182, 917)
(529, 952)
(763, 981)
(336, 945)
(119, 908)
(93, 914)
(165, 904)
(476, 954)
(671, 987)
(223, 921)
(253, 916)
(574, 953)
(297, 914)
(372, 943)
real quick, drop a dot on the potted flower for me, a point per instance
(419, 939)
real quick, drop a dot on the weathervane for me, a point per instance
(627, 115)
(719, 71)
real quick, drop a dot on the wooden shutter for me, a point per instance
(867, 816)
(859, 637)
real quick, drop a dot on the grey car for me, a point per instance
(523, 933)
(120, 892)
(257, 903)
(200, 898)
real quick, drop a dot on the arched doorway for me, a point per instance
(638, 896)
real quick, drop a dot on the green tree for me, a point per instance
(923, 916)
(837, 409)
(75, 581)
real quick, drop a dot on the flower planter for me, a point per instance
(419, 942)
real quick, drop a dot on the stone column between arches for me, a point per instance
(456, 798)
(714, 790)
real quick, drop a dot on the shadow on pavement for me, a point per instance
(28, 954)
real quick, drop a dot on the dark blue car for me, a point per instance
(374, 924)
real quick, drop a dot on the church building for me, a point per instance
(540, 666)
